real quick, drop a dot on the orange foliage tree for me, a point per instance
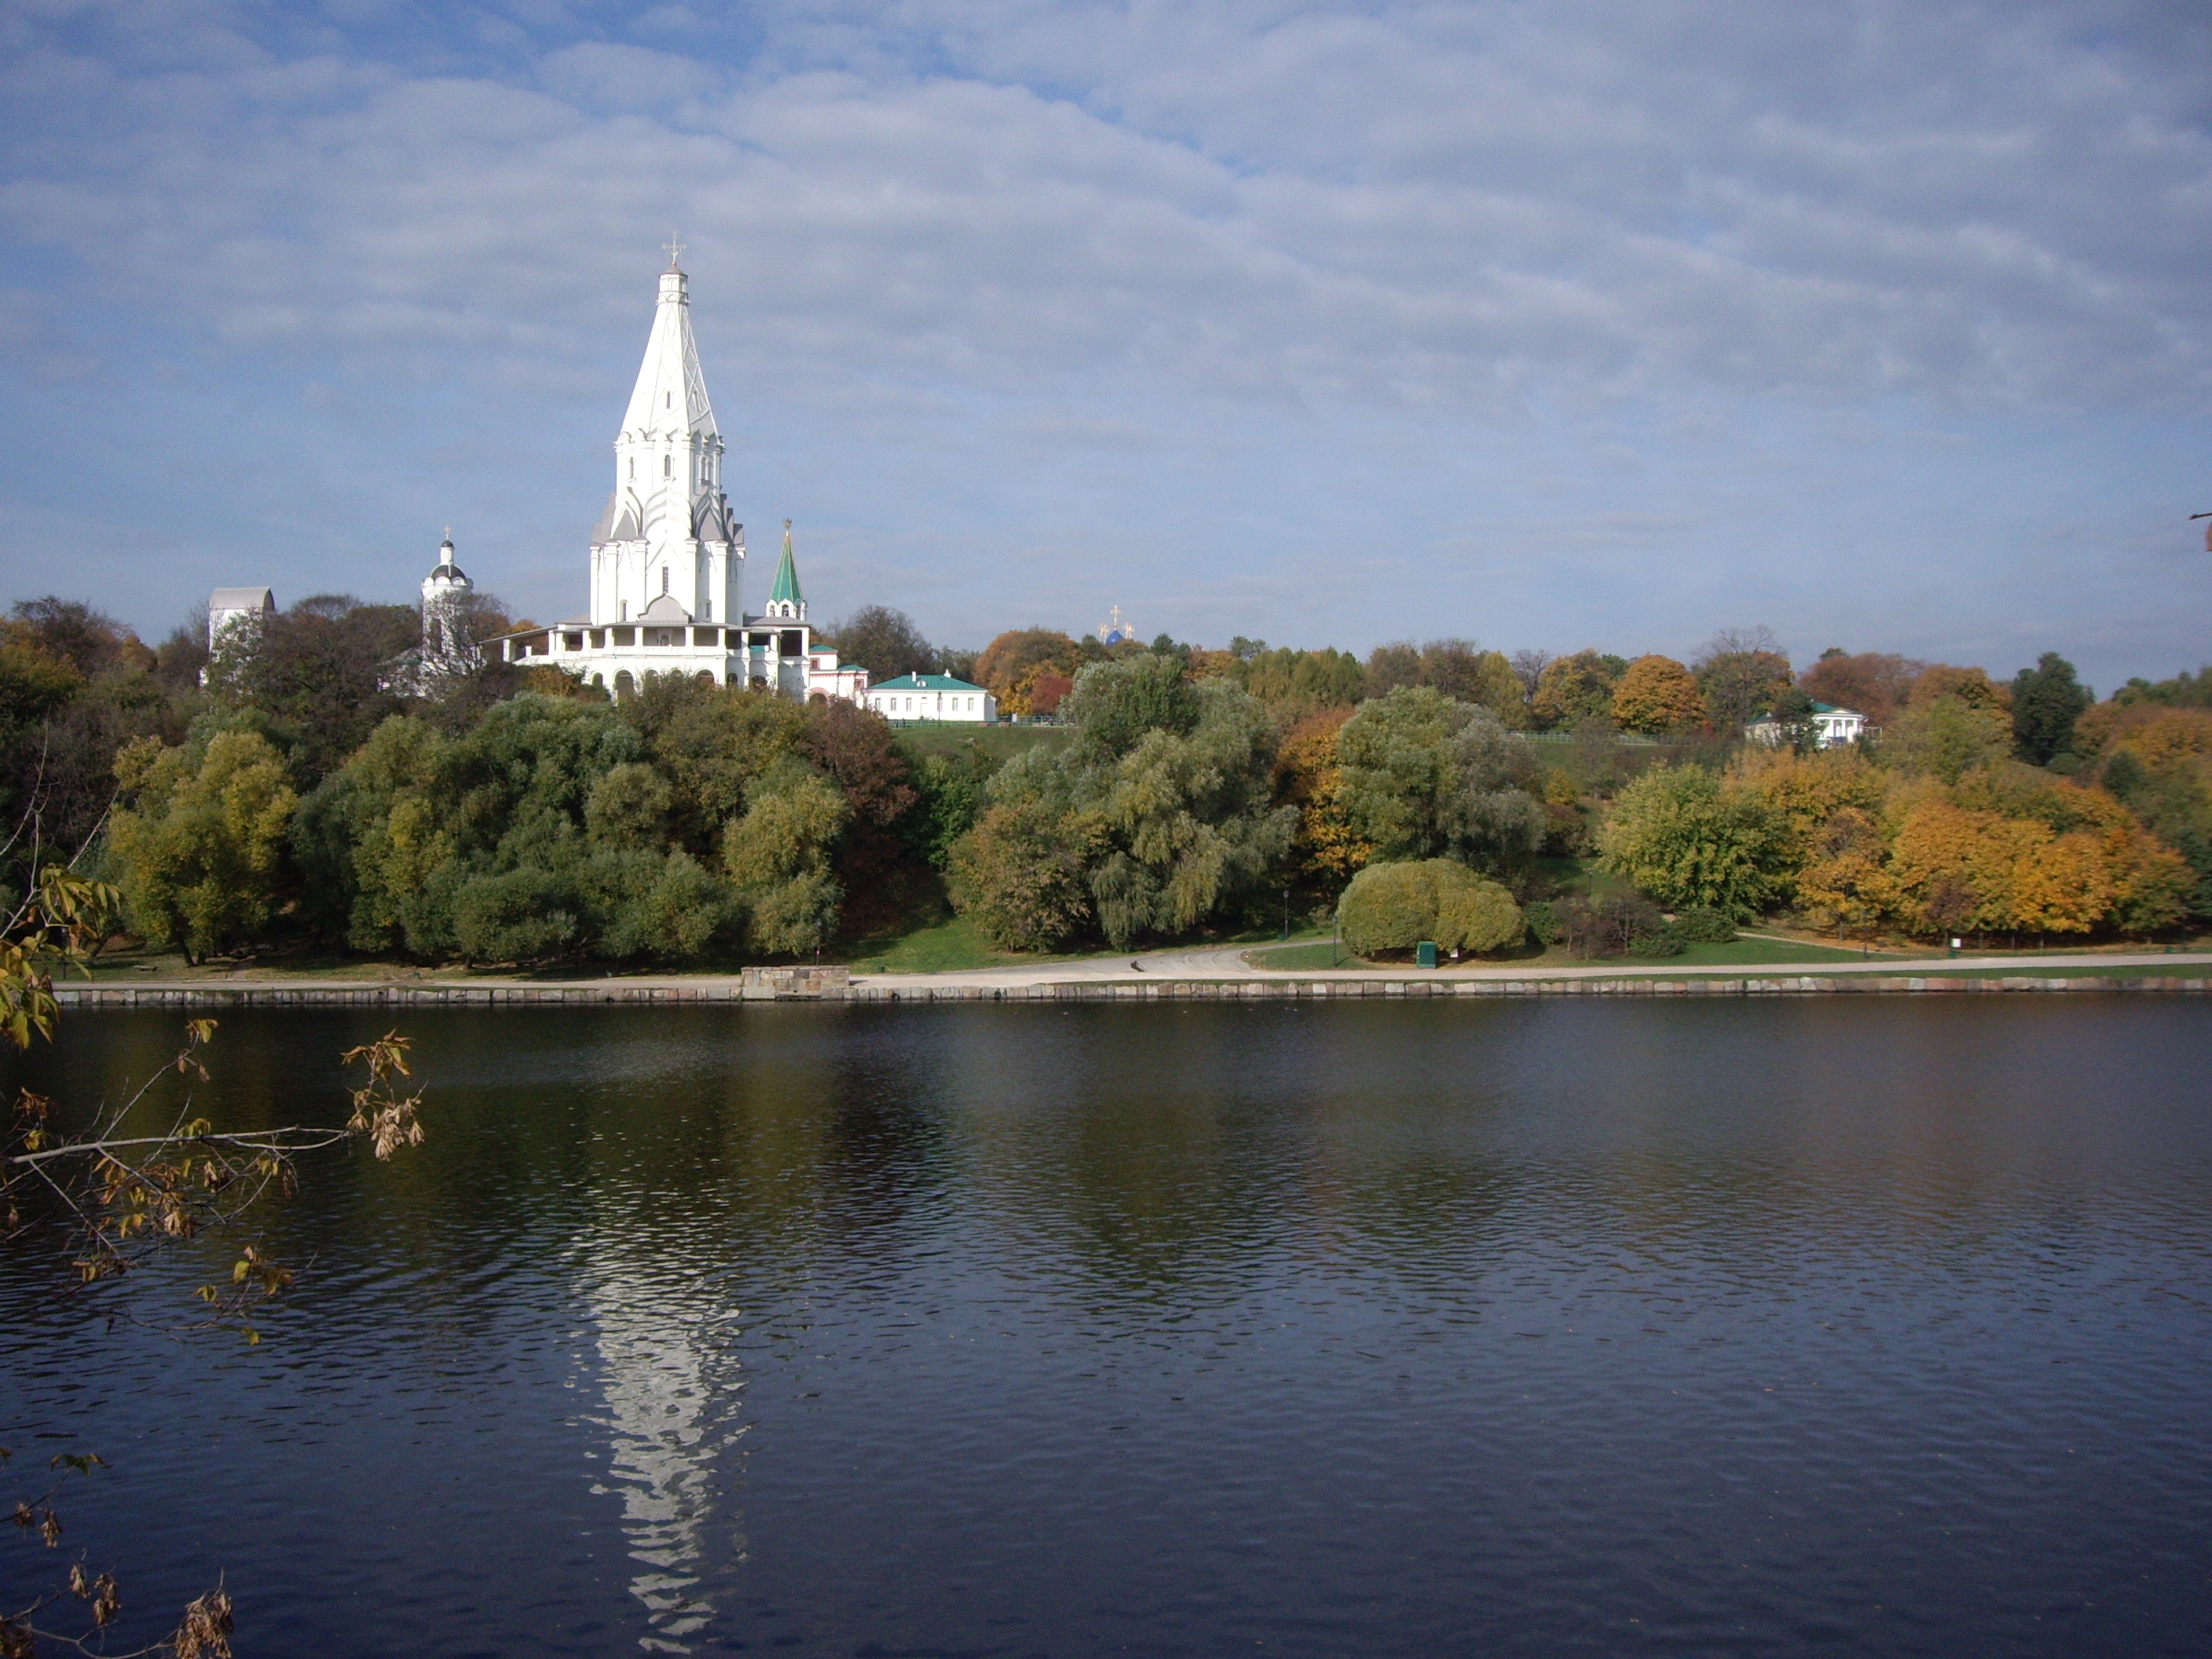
(1328, 850)
(1017, 652)
(1657, 694)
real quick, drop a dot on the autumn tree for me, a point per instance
(1657, 695)
(1570, 690)
(1874, 683)
(1326, 849)
(2157, 758)
(1971, 686)
(1004, 663)
(1739, 673)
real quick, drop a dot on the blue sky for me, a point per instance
(1886, 325)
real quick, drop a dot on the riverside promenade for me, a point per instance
(1218, 973)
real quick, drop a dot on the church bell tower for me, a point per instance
(667, 551)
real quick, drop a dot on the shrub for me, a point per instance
(1609, 926)
(1668, 941)
(1703, 925)
(1394, 906)
(518, 916)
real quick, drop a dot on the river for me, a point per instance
(1838, 1326)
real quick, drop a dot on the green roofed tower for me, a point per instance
(784, 598)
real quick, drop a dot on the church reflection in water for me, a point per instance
(671, 1386)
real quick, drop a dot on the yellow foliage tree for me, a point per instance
(2000, 874)
(1810, 790)
(1657, 694)
(1846, 880)
(1327, 849)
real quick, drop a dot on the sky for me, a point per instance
(1887, 326)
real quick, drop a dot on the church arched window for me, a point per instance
(664, 578)
(667, 466)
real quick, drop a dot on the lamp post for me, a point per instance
(1286, 916)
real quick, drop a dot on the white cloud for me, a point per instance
(1463, 261)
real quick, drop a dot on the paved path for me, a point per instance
(1216, 962)
(1229, 962)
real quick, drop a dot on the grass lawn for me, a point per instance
(940, 948)
(1759, 952)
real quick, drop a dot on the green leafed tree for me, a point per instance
(201, 836)
(1681, 835)
(1019, 875)
(1947, 738)
(1424, 775)
(2046, 701)
(885, 642)
(1741, 674)
(777, 856)
(1163, 802)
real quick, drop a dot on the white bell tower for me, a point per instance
(667, 551)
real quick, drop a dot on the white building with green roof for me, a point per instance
(1832, 728)
(932, 697)
(668, 554)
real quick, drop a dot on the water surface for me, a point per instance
(1856, 1326)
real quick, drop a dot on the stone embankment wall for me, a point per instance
(835, 985)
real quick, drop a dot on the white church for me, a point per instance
(667, 557)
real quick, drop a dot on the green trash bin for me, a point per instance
(1425, 954)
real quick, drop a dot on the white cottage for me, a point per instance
(1834, 727)
(932, 697)
(667, 554)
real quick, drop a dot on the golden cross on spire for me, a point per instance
(675, 250)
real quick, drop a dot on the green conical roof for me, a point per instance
(787, 574)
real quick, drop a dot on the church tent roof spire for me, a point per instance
(671, 394)
(786, 589)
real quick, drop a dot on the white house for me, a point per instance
(932, 697)
(1834, 727)
(667, 554)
